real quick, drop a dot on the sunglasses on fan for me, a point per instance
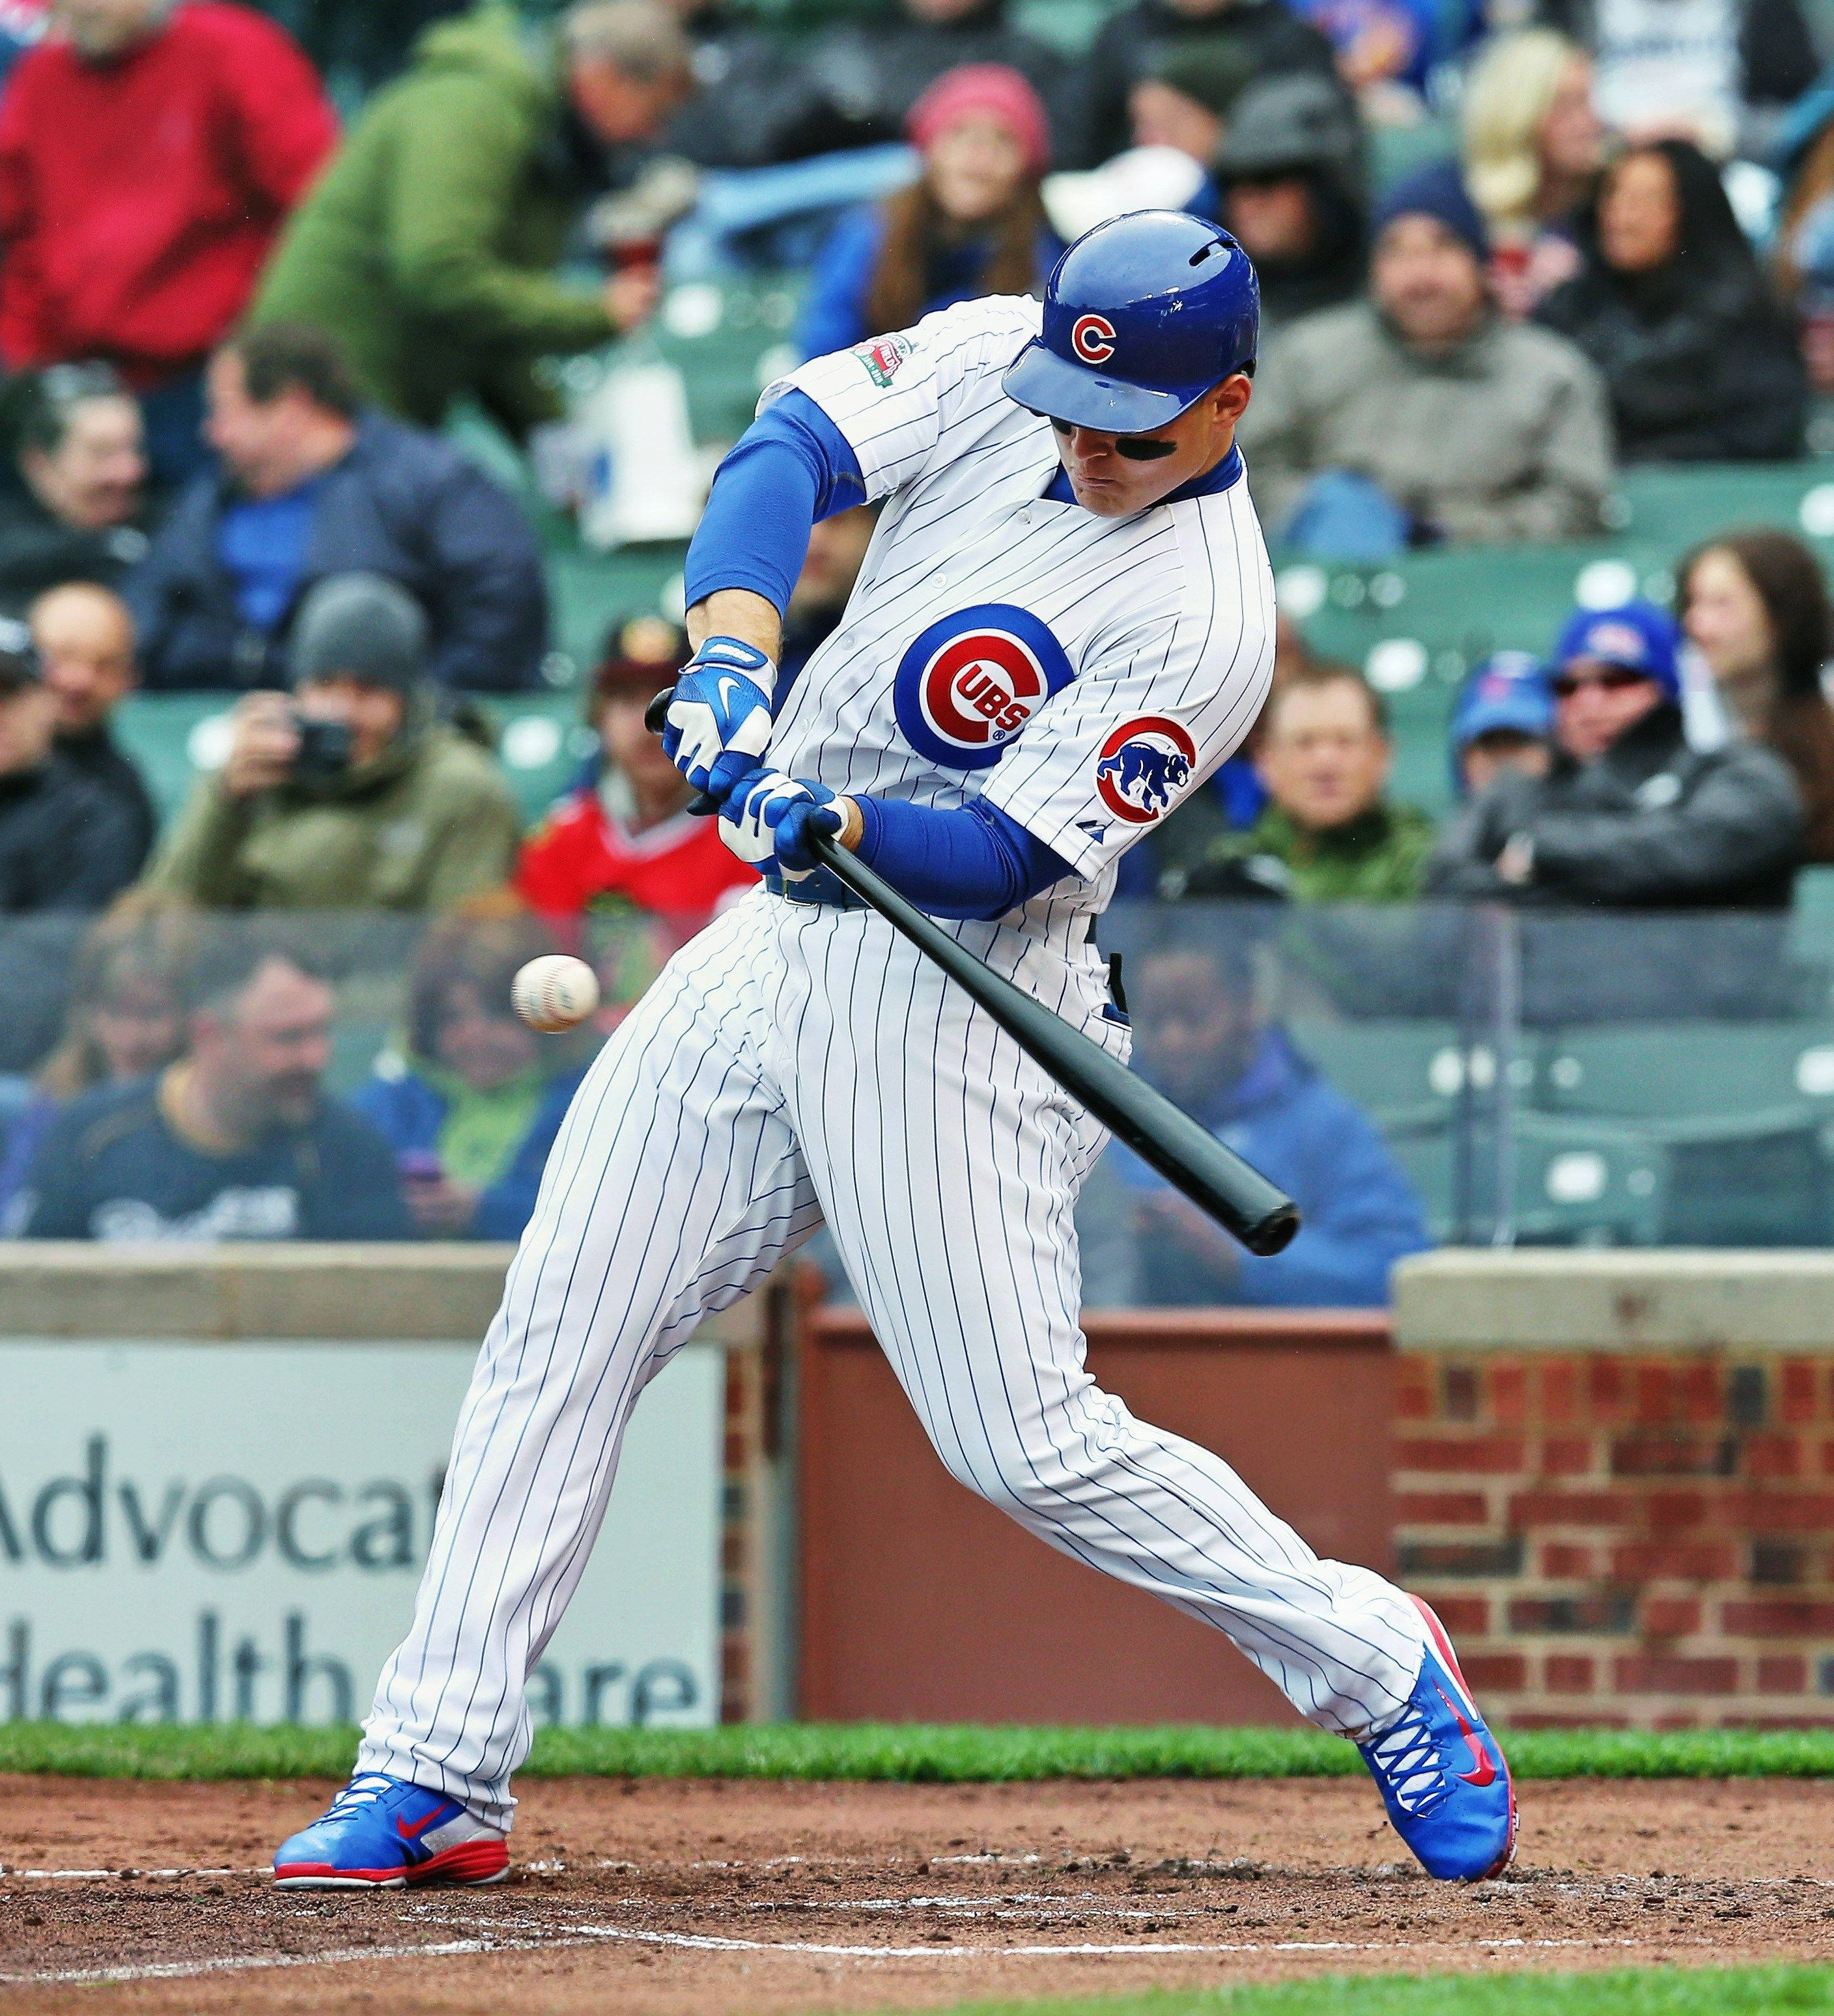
(1131, 448)
(1613, 679)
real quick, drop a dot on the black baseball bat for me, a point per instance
(1214, 1178)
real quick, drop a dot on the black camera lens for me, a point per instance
(324, 749)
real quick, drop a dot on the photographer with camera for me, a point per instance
(349, 794)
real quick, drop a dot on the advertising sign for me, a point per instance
(197, 1533)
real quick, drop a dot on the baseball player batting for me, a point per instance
(1064, 625)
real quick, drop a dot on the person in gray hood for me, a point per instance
(1290, 178)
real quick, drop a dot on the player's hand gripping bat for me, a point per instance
(1216, 1179)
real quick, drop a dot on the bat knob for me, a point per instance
(656, 718)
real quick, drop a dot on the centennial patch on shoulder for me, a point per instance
(883, 357)
(1142, 766)
(968, 684)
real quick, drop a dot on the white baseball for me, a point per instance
(554, 993)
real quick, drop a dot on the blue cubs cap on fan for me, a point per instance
(1507, 691)
(1142, 316)
(1636, 634)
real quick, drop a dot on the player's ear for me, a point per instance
(1232, 396)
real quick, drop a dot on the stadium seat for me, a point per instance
(1404, 1073)
(1762, 1074)
(1741, 1180)
(1672, 507)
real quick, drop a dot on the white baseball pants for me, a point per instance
(792, 1064)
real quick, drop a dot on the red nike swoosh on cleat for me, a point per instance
(407, 1833)
(1486, 1772)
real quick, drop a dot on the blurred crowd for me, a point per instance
(254, 262)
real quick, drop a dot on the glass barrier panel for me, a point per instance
(1415, 1074)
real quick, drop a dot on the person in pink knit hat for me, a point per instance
(972, 223)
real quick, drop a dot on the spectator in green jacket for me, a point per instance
(348, 794)
(1329, 833)
(427, 246)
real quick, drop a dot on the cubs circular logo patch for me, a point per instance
(1092, 336)
(970, 682)
(1142, 766)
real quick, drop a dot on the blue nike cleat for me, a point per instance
(382, 1833)
(1442, 1775)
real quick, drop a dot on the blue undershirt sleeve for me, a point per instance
(792, 467)
(974, 862)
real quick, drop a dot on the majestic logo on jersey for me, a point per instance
(968, 685)
(883, 357)
(1092, 336)
(1142, 766)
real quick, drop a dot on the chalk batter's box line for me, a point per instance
(585, 1935)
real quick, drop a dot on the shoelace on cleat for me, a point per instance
(1412, 1765)
(362, 1791)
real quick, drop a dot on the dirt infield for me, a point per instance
(685, 1898)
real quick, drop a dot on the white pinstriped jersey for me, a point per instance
(1081, 673)
(798, 1062)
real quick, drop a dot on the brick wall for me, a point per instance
(1633, 1538)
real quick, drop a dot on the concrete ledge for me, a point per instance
(282, 1291)
(1570, 1299)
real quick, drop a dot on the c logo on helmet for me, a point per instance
(967, 685)
(1142, 766)
(1092, 336)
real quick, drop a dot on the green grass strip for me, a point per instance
(902, 1753)
(1667, 1991)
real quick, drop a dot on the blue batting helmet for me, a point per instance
(1142, 316)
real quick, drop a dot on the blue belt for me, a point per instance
(823, 887)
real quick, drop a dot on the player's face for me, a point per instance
(1114, 485)
(1324, 761)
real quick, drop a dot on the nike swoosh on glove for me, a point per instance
(771, 816)
(718, 720)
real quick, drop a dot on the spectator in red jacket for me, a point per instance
(625, 839)
(148, 155)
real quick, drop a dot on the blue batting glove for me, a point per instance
(718, 722)
(771, 817)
